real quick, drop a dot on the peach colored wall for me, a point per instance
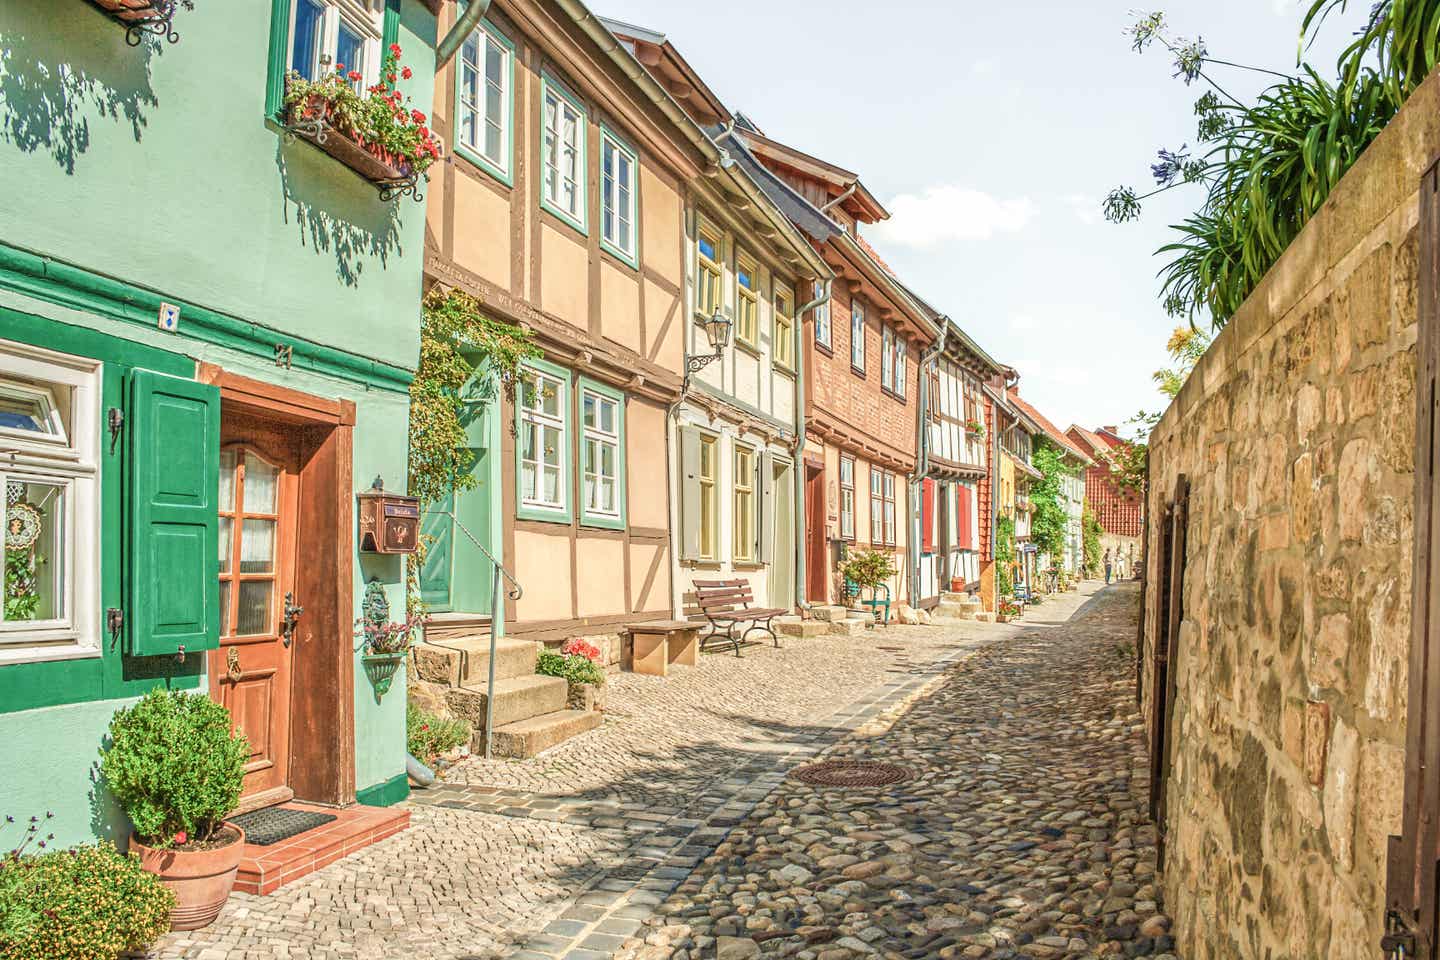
(619, 306)
(542, 563)
(564, 274)
(602, 578)
(649, 575)
(645, 451)
(485, 252)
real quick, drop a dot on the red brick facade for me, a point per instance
(1118, 511)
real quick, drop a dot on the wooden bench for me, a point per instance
(726, 605)
(656, 644)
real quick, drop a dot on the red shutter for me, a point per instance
(965, 533)
(927, 516)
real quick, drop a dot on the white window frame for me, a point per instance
(857, 334)
(538, 419)
(486, 37)
(847, 498)
(601, 438)
(887, 358)
(610, 199)
(822, 324)
(897, 374)
(709, 496)
(365, 17)
(565, 103)
(73, 465)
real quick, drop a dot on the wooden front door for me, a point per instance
(250, 673)
(817, 567)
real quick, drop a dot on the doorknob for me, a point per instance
(292, 616)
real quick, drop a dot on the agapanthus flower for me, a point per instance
(1121, 205)
(1171, 165)
(1190, 60)
(1146, 29)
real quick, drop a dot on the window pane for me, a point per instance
(607, 416)
(21, 412)
(228, 460)
(261, 481)
(552, 485)
(707, 247)
(224, 608)
(226, 544)
(35, 516)
(742, 274)
(303, 54)
(607, 460)
(350, 50)
(253, 617)
(527, 481)
(549, 397)
(257, 546)
(552, 446)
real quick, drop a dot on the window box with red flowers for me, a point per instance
(140, 17)
(375, 133)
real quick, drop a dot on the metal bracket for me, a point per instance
(115, 421)
(284, 355)
(114, 623)
(1398, 943)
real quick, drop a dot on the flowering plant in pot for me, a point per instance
(176, 768)
(975, 428)
(381, 120)
(385, 644)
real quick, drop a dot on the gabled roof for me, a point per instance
(671, 70)
(1048, 428)
(860, 202)
(800, 211)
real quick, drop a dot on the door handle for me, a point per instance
(292, 616)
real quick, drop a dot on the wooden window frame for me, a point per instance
(552, 89)
(747, 302)
(882, 507)
(709, 483)
(744, 471)
(712, 268)
(847, 499)
(502, 167)
(857, 343)
(782, 345)
(821, 313)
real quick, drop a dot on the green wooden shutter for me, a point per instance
(173, 453)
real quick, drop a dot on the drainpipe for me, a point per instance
(802, 602)
(922, 467)
(469, 20)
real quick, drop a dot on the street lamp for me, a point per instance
(717, 331)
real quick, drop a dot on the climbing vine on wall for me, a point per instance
(1047, 495)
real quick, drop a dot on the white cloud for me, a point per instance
(982, 66)
(1085, 208)
(947, 212)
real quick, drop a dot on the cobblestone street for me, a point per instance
(672, 831)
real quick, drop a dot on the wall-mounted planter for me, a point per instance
(381, 669)
(140, 17)
(391, 175)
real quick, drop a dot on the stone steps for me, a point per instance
(516, 698)
(956, 610)
(525, 738)
(828, 612)
(465, 661)
(985, 617)
(851, 626)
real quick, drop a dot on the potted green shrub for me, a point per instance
(870, 570)
(176, 768)
(85, 901)
(584, 675)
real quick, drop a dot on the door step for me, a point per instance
(795, 627)
(525, 738)
(827, 612)
(465, 661)
(264, 869)
(850, 626)
(516, 698)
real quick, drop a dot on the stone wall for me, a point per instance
(1296, 432)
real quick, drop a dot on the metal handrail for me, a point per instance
(497, 619)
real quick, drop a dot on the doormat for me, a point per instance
(272, 824)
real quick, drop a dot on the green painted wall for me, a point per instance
(156, 167)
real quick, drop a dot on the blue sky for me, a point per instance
(992, 131)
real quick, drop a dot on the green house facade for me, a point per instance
(208, 326)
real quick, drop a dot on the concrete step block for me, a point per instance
(516, 698)
(526, 738)
(985, 616)
(795, 627)
(850, 627)
(464, 661)
(954, 611)
(827, 612)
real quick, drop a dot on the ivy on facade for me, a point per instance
(1091, 527)
(1004, 555)
(1051, 518)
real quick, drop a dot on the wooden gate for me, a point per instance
(1171, 613)
(1411, 915)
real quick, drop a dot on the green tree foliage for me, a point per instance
(1186, 346)
(868, 569)
(1091, 528)
(1004, 555)
(86, 903)
(1047, 527)
(573, 667)
(174, 766)
(1264, 168)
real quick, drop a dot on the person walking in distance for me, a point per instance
(1109, 566)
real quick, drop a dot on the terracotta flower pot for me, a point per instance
(957, 585)
(200, 879)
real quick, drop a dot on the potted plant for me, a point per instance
(870, 569)
(385, 644)
(380, 122)
(176, 768)
(975, 429)
(1010, 609)
(578, 662)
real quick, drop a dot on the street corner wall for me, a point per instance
(1296, 432)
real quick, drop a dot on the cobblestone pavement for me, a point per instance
(1022, 834)
(568, 854)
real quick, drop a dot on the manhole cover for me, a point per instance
(851, 773)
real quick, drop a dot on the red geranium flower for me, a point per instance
(355, 75)
(424, 131)
(417, 116)
(339, 68)
(182, 837)
(390, 77)
(406, 74)
(395, 49)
